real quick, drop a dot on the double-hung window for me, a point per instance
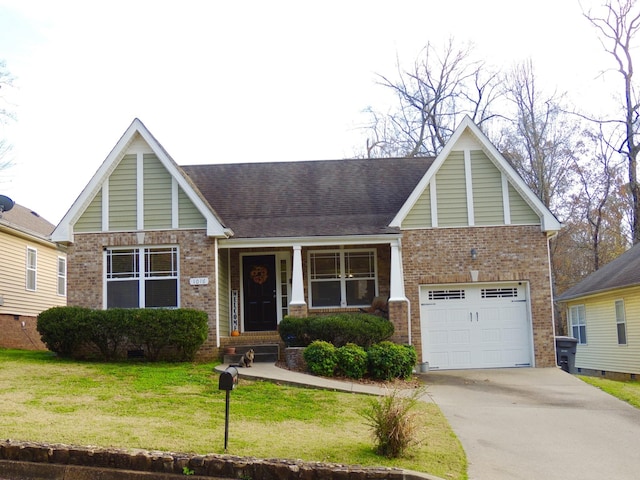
(578, 320)
(32, 269)
(345, 278)
(621, 323)
(145, 277)
(62, 276)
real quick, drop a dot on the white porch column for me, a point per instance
(297, 282)
(396, 289)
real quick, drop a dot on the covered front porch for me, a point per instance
(259, 283)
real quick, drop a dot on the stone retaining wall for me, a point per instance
(56, 461)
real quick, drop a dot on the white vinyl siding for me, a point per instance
(603, 352)
(31, 270)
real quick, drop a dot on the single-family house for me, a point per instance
(33, 273)
(603, 314)
(456, 244)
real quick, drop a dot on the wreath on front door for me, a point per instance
(259, 274)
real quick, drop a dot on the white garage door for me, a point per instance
(475, 326)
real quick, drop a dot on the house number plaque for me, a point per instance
(199, 281)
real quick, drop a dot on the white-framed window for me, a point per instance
(342, 278)
(62, 276)
(578, 322)
(621, 323)
(31, 269)
(142, 277)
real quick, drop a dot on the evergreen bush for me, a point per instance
(321, 358)
(352, 361)
(388, 360)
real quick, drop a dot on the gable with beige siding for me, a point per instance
(602, 351)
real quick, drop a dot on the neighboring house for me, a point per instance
(32, 276)
(603, 313)
(457, 244)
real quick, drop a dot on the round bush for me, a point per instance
(388, 360)
(321, 358)
(352, 360)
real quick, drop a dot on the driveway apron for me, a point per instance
(538, 423)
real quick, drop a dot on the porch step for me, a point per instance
(263, 353)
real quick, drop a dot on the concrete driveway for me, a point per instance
(538, 423)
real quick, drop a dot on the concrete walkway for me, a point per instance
(518, 424)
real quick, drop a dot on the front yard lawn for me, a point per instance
(178, 408)
(628, 391)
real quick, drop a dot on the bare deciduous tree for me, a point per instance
(441, 87)
(617, 25)
(539, 138)
(6, 114)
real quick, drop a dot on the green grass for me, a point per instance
(178, 408)
(628, 391)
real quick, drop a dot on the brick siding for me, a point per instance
(511, 253)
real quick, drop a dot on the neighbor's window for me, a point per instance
(142, 277)
(62, 276)
(621, 323)
(32, 268)
(345, 278)
(577, 318)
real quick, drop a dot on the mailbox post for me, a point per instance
(227, 382)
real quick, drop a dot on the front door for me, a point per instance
(259, 290)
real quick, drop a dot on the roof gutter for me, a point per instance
(307, 241)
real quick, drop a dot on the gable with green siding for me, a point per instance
(123, 195)
(157, 194)
(487, 190)
(487, 196)
(521, 212)
(189, 215)
(420, 214)
(91, 218)
(451, 190)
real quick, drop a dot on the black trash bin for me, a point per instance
(566, 353)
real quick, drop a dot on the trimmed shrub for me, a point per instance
(63, 329)
(359, 328)
(388, 360)
(168, 334)
(321, 358)
(352, 361)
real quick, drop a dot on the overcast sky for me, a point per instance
(242, 81)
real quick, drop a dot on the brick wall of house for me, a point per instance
(512, 253)
(85, 278)
(20, 331)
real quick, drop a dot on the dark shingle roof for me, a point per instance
(309, 198)
(26, 220)
(624, 271)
